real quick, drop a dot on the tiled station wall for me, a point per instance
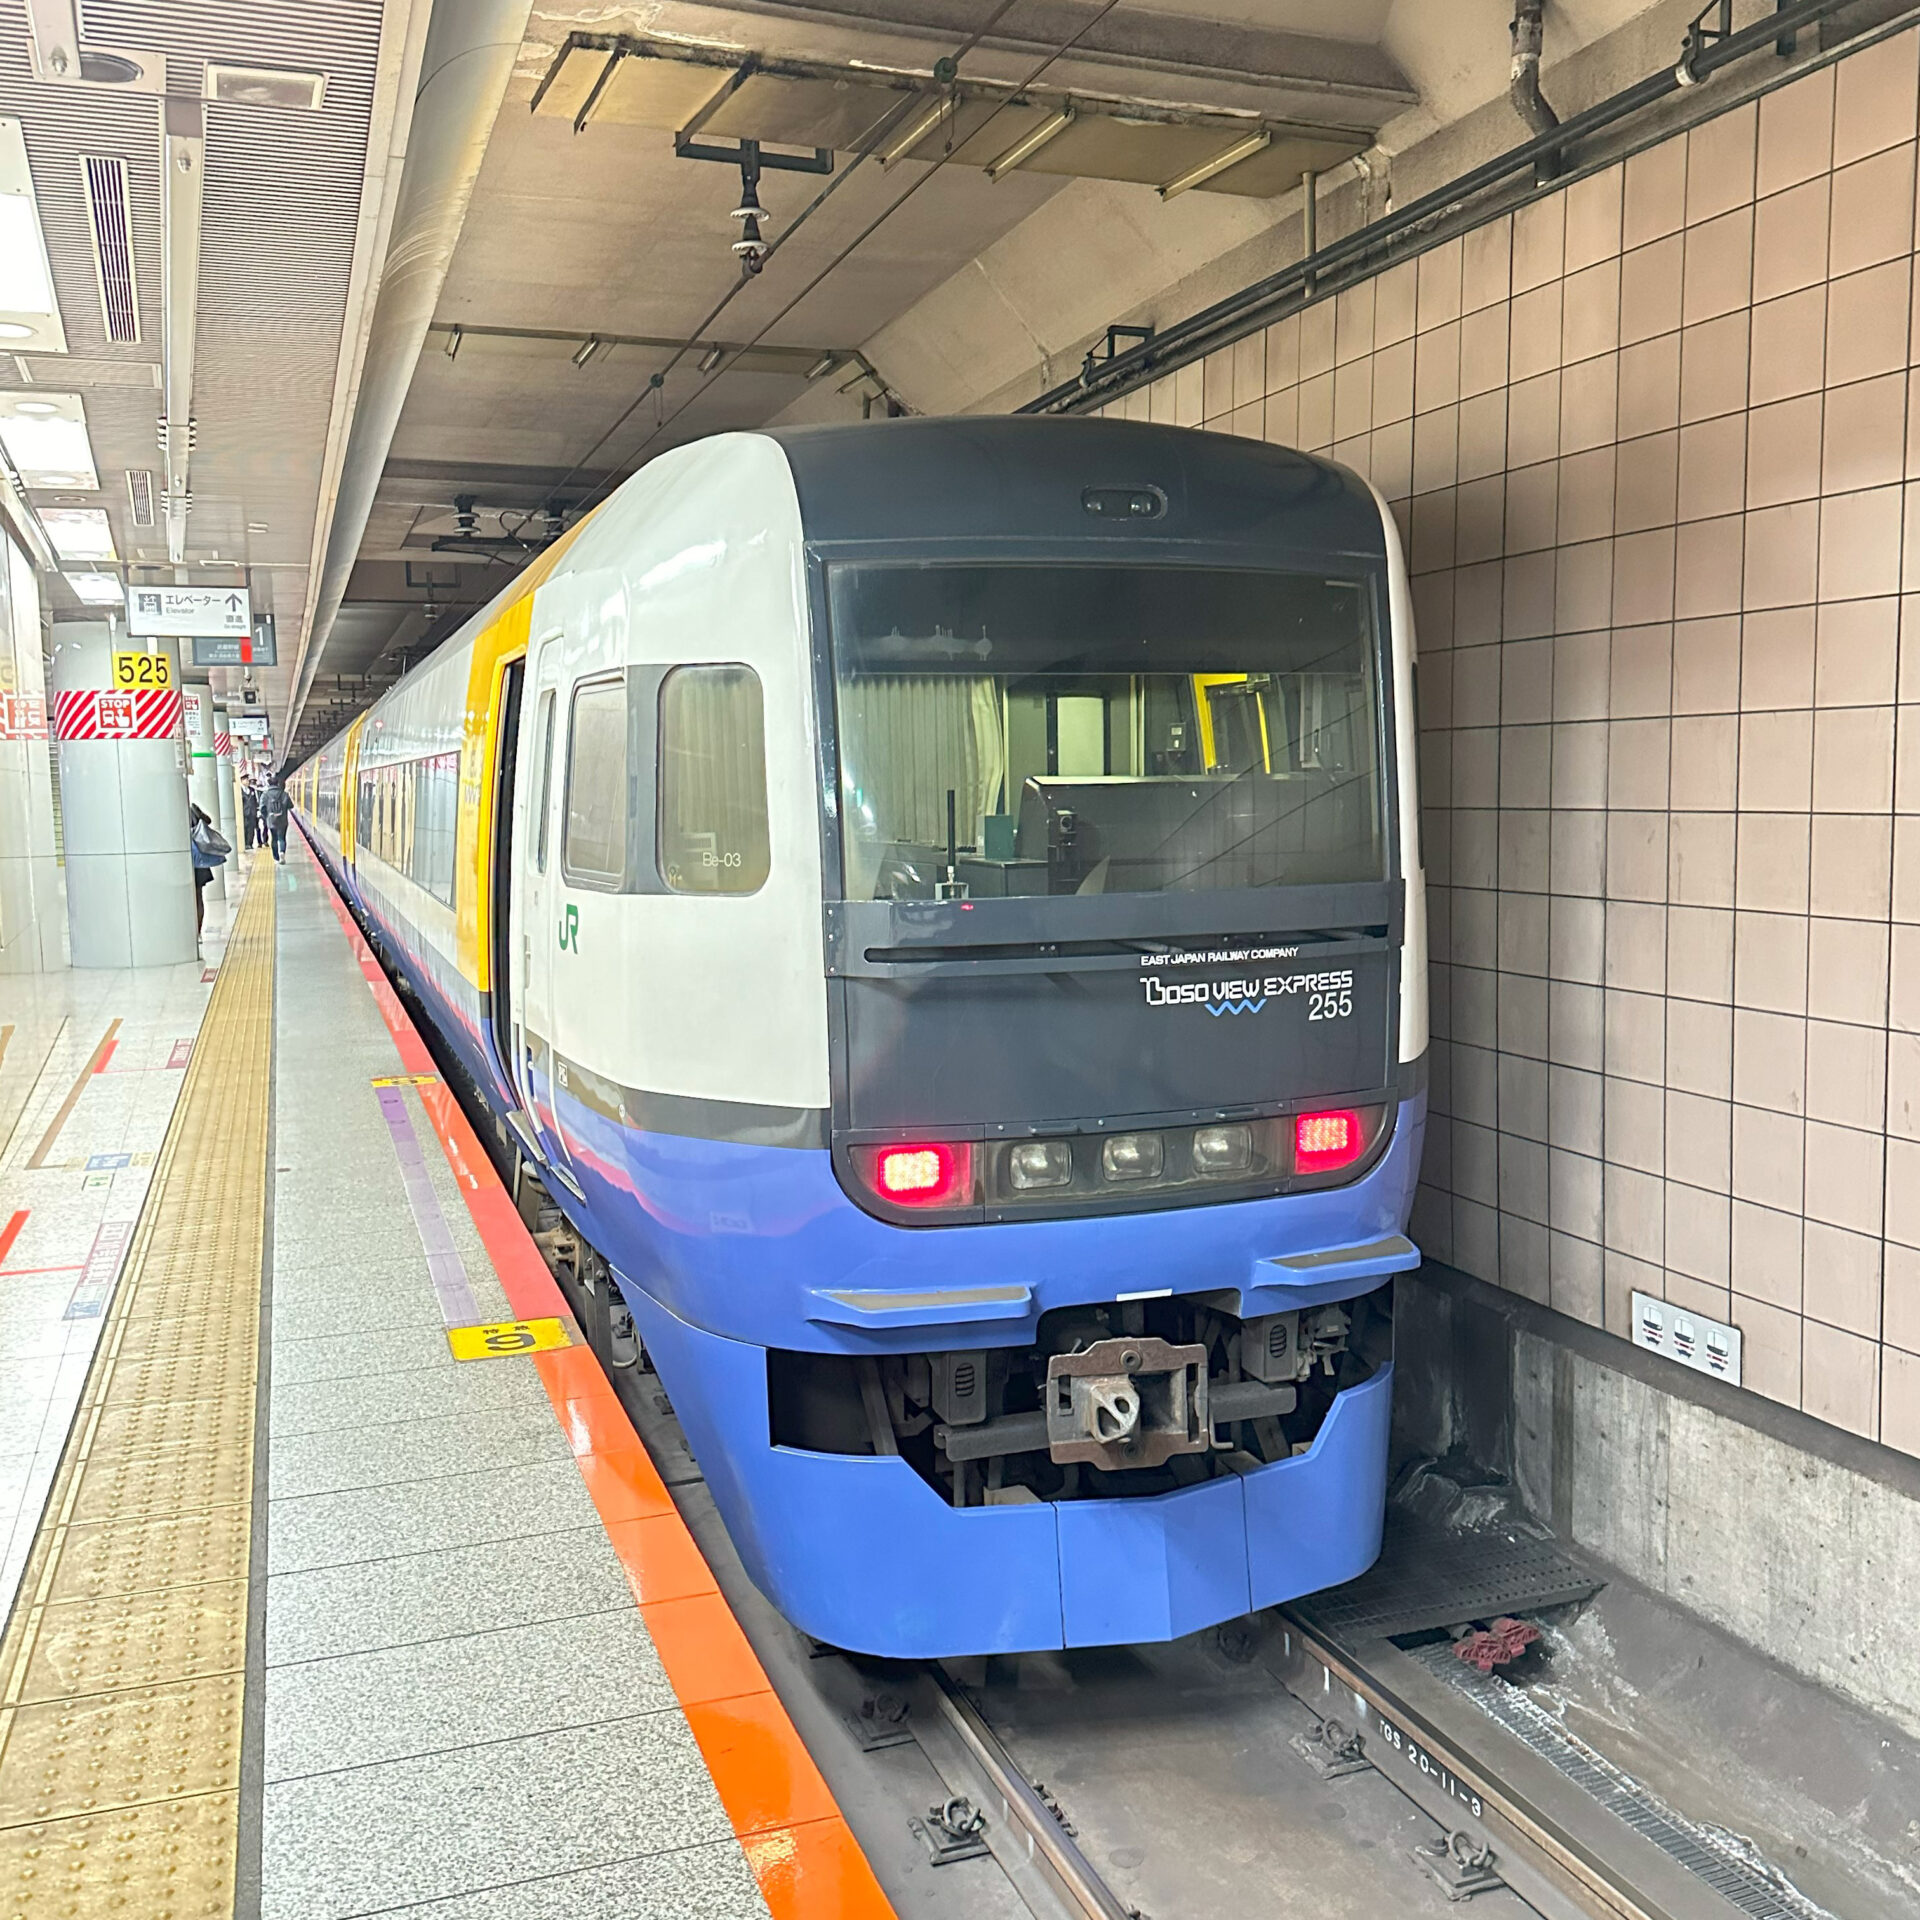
(1653, 445)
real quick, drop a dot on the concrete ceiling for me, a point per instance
(591, 261)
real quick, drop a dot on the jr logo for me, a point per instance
(570, 931)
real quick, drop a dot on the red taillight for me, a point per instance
(936, 1174)
(1324, 1141)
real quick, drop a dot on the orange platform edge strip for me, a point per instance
(802, 1852)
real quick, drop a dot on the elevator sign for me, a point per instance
(181, 613)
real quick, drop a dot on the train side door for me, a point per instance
(535, 933)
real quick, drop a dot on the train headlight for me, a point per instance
(1222, 1149)
(1040, 1163)
(1133, 1156)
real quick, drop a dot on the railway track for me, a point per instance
(1276, 1767)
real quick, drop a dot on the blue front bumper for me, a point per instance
(862, 1553)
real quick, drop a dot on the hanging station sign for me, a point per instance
(185, 613)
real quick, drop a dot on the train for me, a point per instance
(938, 907)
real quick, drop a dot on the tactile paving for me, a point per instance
(122, 1670)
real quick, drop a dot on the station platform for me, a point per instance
(351, 1589)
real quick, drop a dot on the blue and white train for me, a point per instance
(939, 905)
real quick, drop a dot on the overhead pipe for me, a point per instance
(464, 74)
(1354, 254)
(1523, 81)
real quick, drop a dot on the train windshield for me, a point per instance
(1073, 729)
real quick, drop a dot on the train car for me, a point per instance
(939, 906)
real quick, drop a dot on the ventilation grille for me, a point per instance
(140, 495)
(113, 246)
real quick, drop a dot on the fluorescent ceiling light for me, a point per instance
(1221, 161)
(98, 589)
(79, 533)
(27, 299)
(45, 435)
(1032, 141)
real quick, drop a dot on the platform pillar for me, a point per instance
(123, 803)
(223, 761)
(203, 776)
(32, 918)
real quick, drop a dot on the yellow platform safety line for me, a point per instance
(123, 1668)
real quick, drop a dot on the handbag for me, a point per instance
(210, 843)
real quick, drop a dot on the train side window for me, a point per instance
(595, 847)
(711, 833)
(543, 788)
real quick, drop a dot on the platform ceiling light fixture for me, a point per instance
(29, 308)
(45, 435)
(1030, 142)
(79, 533)
(588, 348)
(1221, 161)
(98, 589)
(265, 87)
(918, 128)
(710, 360)
(183, 153)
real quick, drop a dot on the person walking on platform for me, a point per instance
(273, 817)
(250, 814)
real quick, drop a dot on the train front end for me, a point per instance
(1124, 953)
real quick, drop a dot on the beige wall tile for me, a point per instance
(1579, 760)
(1486, 265)
(1393, 384)
(1776, 655)
(1867, 323)
(1718, 274)
(1436, 378)
(1589, 404)
(1576, 1027)
(1770, 962)
(1906, 869)
(1655, 192)
(1713, 467)
(1903, 1192)
(1283, 353)
(1316, 412)
(1852, 866)
(1533, 420)
(1700, 953)
(1903, 1085)
(1767, 1258)
(1637, 855)
(1281, 428)
(1650, 386)
(1250, 366)
(1860, 544)
(1353, 322)
(1790, 239)
(1709, 560)
(1900, 1400)
(1698, 1236)
(1853, 760)
(1638, 753)
(1872, 211)
(1650, 290)
(1706, 666)
(1769, 1069)
(1436, 446)
(1776, 760)
(1845, 1177)
(1438, 274)
(1705, 759)
(1643, 577)
(1700, 1049)
(1720, 163)
(1575, 1110)
(1635, 1213)
(1483, 350)
(1840, 1378)
(1574, 1283)
(1483, 435)
(1769, 1170)
(1701, 859)
(1479, 519)
(1846, 1074)
(1593, 219)
(1842, 1286)
(1539, 243)
(1585, 509)
(1583, 577)
(1864, 435)
(1635, 1036)
(1432, 544)
(1713, 367)
(1527, 609)
(1782, 557)
(1901, 1310)
(1700, 1142)
(1796, 132)
(1769, 1350)
(1394, 305)
(1390, 460)
(1353, 398)
(1783, 451)
(1577, 938)
(1647, 482)
(1317, 334)
(1874, 99)
(1847, 971)
(1789, 345)
(1635, 1114)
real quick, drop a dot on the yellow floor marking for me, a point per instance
(408, 1080)
(38, 1158)
(123, 1669)
(506, 1337)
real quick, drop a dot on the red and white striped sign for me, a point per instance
(23, 716)
(223, 746)
(139, 713)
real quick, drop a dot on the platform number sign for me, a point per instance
(507, 1337)
(131, 669)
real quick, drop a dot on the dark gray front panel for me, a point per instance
(1011, 1049)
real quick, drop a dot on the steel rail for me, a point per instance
(1320, 272)
(1071, 1871)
